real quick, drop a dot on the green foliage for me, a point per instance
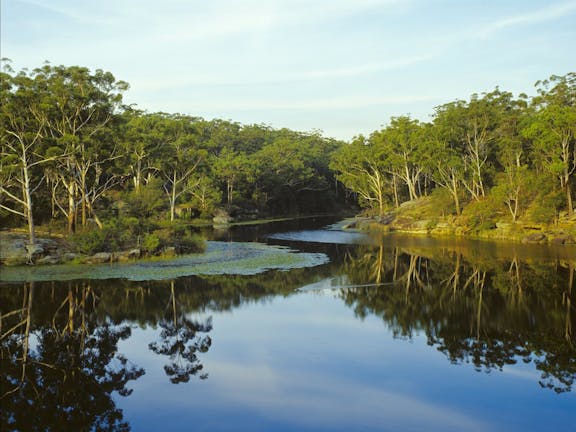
(116, 235)
(146, 202)
(546, 207)
(482, 215)
(151, 243)
(70, 150)
(90, 242)
(179, 237)
(441, 202)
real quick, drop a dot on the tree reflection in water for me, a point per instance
(472, 307)
(181, 342)
(61, 371)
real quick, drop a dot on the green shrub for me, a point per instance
(151, 243)
(546, 207)
(180, 238)
(482, 215)
(92, 241)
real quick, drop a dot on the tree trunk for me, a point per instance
(28, 199)
(569, 198)
(173, 198)
(395, 188)
(71, 207)
(455, 196)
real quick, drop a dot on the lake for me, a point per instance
(340, 331)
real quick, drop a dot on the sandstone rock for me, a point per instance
(563, 240)
(128, 255)
(48, 259)
(68, 256)
(535, 238)
(169, 251)
(99, 258)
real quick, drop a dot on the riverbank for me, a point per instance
(53, 248)
(414, 217)
(15, 250)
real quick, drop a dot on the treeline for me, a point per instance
(74, 155)
(494, 156)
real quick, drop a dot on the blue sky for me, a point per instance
(340, 66)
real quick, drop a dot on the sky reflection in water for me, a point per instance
(406, 334)
(305, 363)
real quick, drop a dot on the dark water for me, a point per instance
(395, 333)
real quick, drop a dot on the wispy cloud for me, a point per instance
(361, 69)
(226, 18)
(545, 14)
(77, 14)
(235, 79)
(334, 400)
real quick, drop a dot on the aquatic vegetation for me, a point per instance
(220, 258)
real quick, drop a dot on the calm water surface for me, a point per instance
(393, 333)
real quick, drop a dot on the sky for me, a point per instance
(342, 67)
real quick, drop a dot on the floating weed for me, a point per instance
(220, 258)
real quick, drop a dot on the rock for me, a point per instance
(387, 219)
(13, 250)
(563, 240)
(34, 252)
(169, 251)
(128, 255)
(99, 258)
(134, 253)
(48, 259)
(535, 238)
(68, 256)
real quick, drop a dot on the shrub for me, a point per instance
(482, 215)
(546, 207)
(151, 243)
(92, 241)
(180, 238)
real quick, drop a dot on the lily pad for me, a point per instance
(220, 258)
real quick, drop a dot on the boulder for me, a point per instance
(537, 238)
(128, 255)
(68, 256)
(99, 258)
(563, 240)
(48, 259)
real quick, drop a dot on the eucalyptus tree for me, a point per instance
(444, 162)
(552, 130)
(402, 143)
(79, 109)
(292, 170)
(180, 159)
(230, 167)
(513, 179)
(22, 144)
(472, 128)
(359, 167)
(142, 143)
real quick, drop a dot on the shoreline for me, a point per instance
(450, 227)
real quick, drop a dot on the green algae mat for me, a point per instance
(220, 258)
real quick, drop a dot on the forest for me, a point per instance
(76, 160)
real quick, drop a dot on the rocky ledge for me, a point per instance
(15, 250)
